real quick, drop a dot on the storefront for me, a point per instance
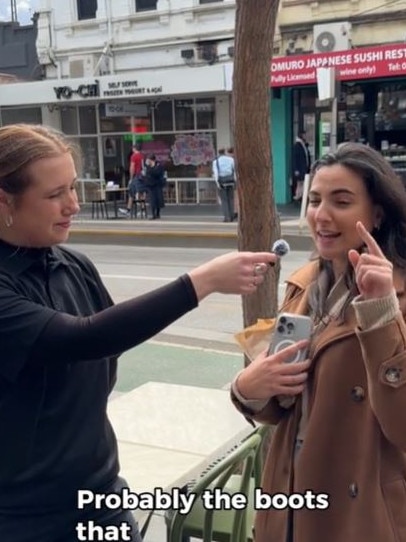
(181, 115)
(371, 92)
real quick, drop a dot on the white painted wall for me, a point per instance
(146, 40)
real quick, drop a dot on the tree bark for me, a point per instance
(259, 224)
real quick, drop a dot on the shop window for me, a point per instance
(183, 156)
(163, 116)
(307, 98)
(29, 115)
(205, 113)
(145, 5)
(69, 120)
(130, 118)
(87, 119)
(86, 9)
(160, 145)
(391, 109)
(354, 97)
(89, 156)
(184, 115)
(110, 122)
(115, 159)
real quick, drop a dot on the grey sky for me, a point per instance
(25, 9)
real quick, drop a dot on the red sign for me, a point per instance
(360, 63)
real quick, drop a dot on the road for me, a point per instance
(130, 271)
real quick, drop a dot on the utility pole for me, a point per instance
(13, 6)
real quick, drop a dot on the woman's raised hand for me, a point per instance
(373, 272)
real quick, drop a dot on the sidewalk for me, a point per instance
(198, 225)
(175, 364)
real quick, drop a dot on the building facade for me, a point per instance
(149, 72)
(18, 55)
(365, 42)
(159, 72)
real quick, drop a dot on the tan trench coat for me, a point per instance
(356, 433)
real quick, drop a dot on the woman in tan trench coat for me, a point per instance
(340, 415)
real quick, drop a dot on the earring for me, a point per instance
(8, 221)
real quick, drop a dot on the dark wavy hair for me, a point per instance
(386, 190)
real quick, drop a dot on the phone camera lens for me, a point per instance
(283, 320)
(291, 326)
(281, 329)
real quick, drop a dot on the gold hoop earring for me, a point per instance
(8, 221)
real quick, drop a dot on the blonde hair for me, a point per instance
(23, 144)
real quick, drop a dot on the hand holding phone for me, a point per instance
(289, 329)
(285, 374)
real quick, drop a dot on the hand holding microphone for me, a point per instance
(280, 248)
(235, 272)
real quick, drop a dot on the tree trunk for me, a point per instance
(259, 223)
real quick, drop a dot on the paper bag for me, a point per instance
(256, 338)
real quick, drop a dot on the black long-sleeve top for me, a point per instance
(60, 336)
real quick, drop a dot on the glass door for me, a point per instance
(309, 126)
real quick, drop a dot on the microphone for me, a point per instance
(280, 248)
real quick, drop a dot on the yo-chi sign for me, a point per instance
(361, 63)
(84, 91)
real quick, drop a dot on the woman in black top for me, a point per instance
(60, 336)
(154, 181)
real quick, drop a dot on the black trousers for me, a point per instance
(156, 202)
(60, 525)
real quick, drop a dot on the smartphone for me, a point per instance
(289, 329)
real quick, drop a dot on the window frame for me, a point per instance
(80, 4)
(145, 9)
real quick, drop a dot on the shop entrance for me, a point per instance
(116, 154)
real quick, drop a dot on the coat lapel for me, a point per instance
(296, 302)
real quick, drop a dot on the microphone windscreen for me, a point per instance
(280, 247)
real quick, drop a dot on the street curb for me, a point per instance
(226, 235)
(205, 239)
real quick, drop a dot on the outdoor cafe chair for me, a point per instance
(139, 207)
(238, 472)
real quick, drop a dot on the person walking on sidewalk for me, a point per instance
(338, 455)
(301, 161)
(60, 339)
(224, 175)
(155, 181)
(136, 187)
(230, 152)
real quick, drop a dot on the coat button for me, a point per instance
(357, 394)
(353, 490)
(392, 375)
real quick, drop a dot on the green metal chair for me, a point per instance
(238, 472)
